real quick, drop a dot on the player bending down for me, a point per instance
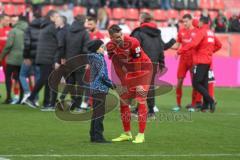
(134, 69)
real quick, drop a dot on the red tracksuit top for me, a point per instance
(205, 44)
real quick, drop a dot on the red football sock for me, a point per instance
(211, 89)
(179, 96)
(126, 117)
(198, 98)
(142, 117)
(194, 96)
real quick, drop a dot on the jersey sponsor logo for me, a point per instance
(138, 50)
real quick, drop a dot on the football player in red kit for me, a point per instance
(134, 69)
(185, 36)
(205, 43)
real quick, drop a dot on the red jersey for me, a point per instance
(205, 43)
(3, 39)
(131, 63)
(185, 36)
(96, 35)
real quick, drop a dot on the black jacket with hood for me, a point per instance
(76, 39)
(47, 44)
(151, 41)
(31, 39)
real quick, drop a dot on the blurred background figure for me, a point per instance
(65, 11)
(220, 23)
(125, 28)
(234, 23)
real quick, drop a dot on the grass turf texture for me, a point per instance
(36, 134)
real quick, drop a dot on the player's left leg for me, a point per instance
(126, 121)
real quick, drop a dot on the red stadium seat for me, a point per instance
(213, 14)
(197, 13)
(79, 10)
(146, 10)
(18, 1)
(218, 4)
(159, 15)
(132, 14)
(6, 1)
(132, 24)
(9, 9)
(183, 12)
(118, 13)
(172, 14)
(20, 9)
(228, 14)
(46, 9)
(205, 4)
(111, 22)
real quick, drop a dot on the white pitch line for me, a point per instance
(105, 155)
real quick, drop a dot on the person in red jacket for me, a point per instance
(185, 36)
(205, 44)
(4, 30)
(134, 69)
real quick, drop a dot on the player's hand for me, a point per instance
(87, 66)
(140, 90)
(27, 62)
(56, 66)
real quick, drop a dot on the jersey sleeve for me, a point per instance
(135, 49)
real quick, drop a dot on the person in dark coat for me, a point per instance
(76, 39)
(29, 55)
(47, 50)
(151, 41)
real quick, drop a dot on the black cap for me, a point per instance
(94, 45)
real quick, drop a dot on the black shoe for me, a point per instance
(7, 101)
(204, 109)
(152, 116)
(213, 107)
(30, 103)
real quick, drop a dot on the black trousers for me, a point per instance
(12, 70)
(76, 89)
(45, 71)
(151, 92)
(200, 82)
(96, 130)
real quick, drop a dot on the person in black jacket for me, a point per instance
(151, 41)
(77, 38)
(47, 50)
(29, 55)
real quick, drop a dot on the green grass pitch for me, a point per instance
(31, 134)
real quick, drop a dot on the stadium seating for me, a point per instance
(172, 14)
(183, 12)
(118, 13)
(218, 4)
(132, 14)
(20, 9)
(159, 15)
(205, 4)
(18, 1)
(6, 1)
(79, 10)
(9, 9)
(146, 10)
(47, 8)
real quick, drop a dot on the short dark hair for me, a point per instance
(146, 17)
(187, 16)
(50, 13)
(114, 29)
(64, 18)
(94, 19)
(80, 18)
(204, 20)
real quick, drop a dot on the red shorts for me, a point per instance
(185, 65)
